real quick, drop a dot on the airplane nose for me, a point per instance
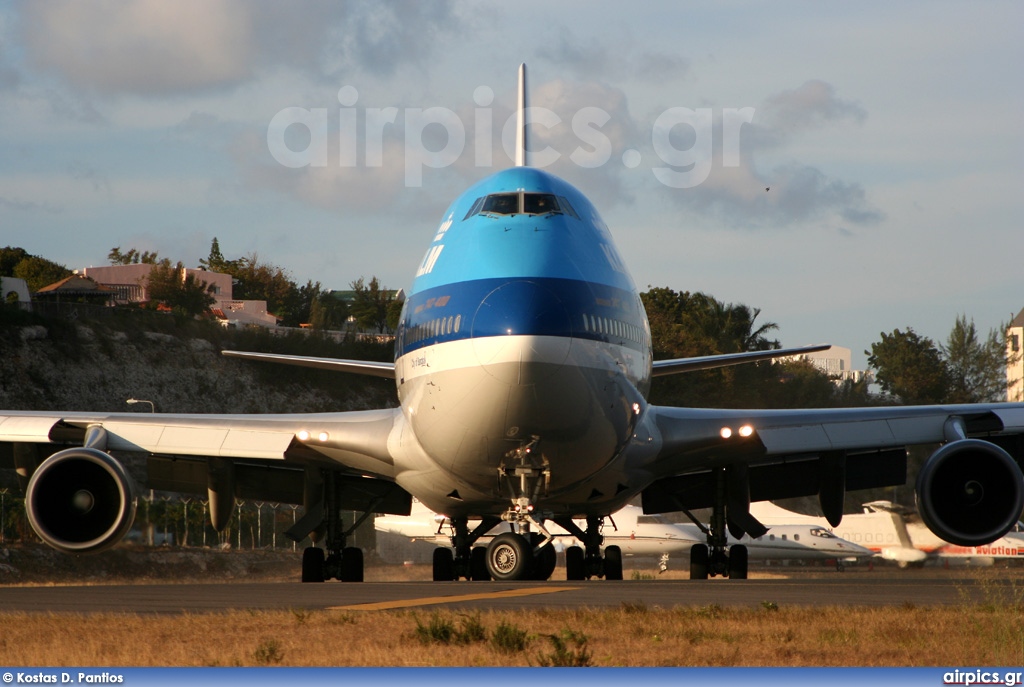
(521, 332)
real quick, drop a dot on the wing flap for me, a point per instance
(27, 427)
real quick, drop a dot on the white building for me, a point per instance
(1015, 366)
(130, 283)
(836, 362)
(15, 291)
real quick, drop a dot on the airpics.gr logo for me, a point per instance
(299, 137)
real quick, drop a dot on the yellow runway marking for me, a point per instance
(431, 600)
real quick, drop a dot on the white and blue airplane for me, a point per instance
(522, 366)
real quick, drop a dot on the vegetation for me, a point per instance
(36, 271)
(763, 635)
(915, 370)
(180, 291)
(374, 307)
(687, 324)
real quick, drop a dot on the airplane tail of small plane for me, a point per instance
(521, 119)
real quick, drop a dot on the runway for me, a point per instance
(918, 589)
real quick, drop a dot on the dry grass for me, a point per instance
(633, 635)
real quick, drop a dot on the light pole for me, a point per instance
(205, 511)
(259, 524)
(294, 508)
(133, 401)
(186, 500)
(240, 503)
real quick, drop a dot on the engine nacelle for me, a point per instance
(80, 500)
(970, 492)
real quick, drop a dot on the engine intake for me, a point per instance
(80, 500)
(970, 492)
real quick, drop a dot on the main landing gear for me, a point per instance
(323, 521)
(717, 558)
(582, 563)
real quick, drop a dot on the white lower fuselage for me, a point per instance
(469, 402)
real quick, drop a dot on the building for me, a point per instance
(1015, 359)
(836, 362)
(14, 291)
(76, 289)
(129, 283)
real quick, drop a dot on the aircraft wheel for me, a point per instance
(612, 563)
(575, 565)
(478, 564)
(444, 565)
(699, 562)
(544, 563)
(738, 562)
(312, 564)
(351, 564)
(509, 557)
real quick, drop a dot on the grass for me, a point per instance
(976, 634)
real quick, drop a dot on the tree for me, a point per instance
(910, 367)
(39, 272)
(370, 304)
(686, 325)
(216, 262)
(132, 257)
(259, 281)
(976, 369)
(9, 258)
(178, 290)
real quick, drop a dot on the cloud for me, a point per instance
(143, 46)
(811, 106)
(152, 47)
(745, 195)
(596, 60)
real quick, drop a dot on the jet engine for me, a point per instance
(80, 500)
(970, 492)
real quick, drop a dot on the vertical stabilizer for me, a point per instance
(521, 119)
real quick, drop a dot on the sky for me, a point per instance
(846, 168)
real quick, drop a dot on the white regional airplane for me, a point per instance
(522, 366)
(629, 529)
(884, 529)
(793, 542)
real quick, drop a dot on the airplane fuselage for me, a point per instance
(522, 324)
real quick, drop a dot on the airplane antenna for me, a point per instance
(521, 119)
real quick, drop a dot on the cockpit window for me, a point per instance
(501, 204)
(521, 203)
(566, 207)
(539, 203)
(476, 207)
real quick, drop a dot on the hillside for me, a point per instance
(52, 364)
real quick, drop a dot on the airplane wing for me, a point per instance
(708, 362)
(363, 367)
(759, 455)
(248, 456)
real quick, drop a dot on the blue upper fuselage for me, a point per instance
(522, 252)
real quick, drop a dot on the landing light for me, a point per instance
(323, 436)
(726, 432)
(746, 431)
(303, 435)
